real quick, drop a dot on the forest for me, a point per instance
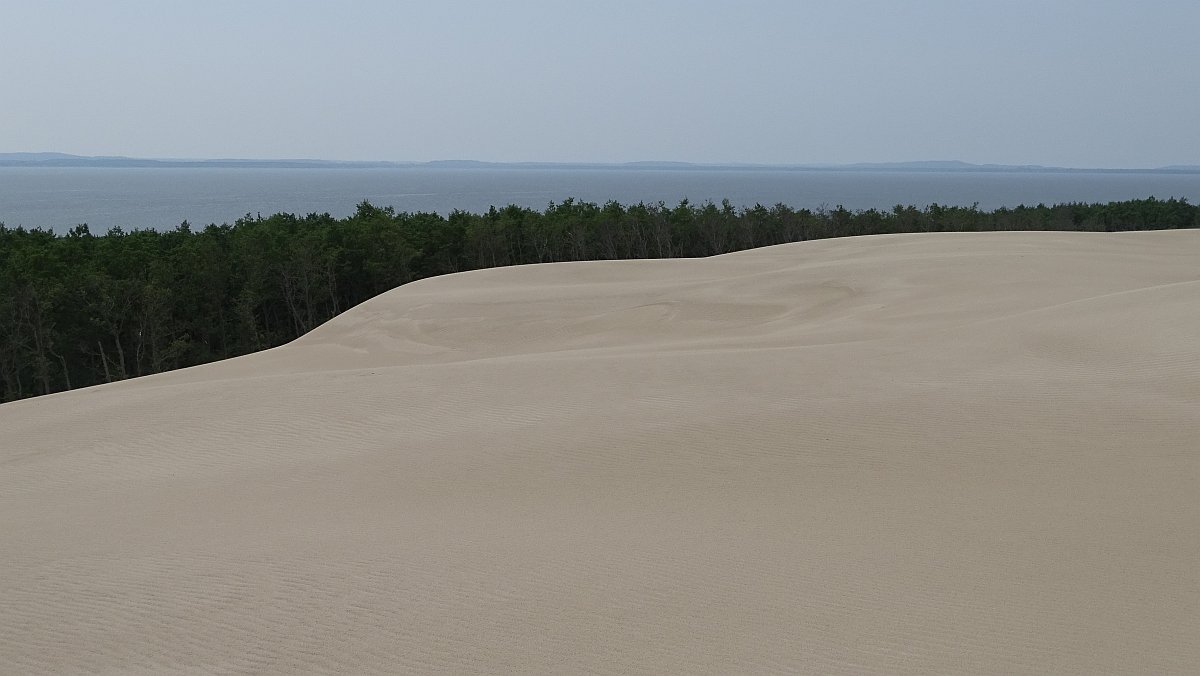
(80, 309)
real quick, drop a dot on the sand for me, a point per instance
(915, 454)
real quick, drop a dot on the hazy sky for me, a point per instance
(1083, 83)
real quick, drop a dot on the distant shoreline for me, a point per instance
(54, 160)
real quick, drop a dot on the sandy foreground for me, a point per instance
(951, 453)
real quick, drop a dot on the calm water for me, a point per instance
(60, 198)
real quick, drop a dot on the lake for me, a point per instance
(103, 197)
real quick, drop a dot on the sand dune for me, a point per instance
(951, 453)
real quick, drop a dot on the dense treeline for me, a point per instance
(81, 309)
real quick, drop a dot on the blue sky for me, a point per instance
(1057, 82)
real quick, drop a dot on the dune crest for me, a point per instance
(946, 453)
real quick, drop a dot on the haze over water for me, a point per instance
(62, 197)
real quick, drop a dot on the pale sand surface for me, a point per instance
(953, 453)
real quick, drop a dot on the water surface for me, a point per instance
(103, 197)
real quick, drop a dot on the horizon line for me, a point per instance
(55, 158)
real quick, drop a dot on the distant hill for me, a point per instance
(35, 157)
(65, 160)
(932, 165)
(956, 165)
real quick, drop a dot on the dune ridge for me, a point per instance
(969, 453)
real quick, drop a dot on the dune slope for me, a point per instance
(951, 453)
